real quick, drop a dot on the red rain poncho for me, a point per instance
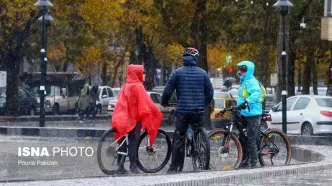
(134, 104)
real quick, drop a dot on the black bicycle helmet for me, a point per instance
(191, 52)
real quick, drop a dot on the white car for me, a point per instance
(169, 112)
(106, 94)
(116, 91)
(219, 94)
(306, 115)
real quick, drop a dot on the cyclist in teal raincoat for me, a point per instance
(250, 94)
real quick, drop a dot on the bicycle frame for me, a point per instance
(236, 120)
(193, 141)
(123, 141)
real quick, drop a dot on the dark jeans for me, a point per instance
(133, 138)
(249, 144)
(181, 126)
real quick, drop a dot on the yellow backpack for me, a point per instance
(245, 93)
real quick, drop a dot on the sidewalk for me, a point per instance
(316, 161)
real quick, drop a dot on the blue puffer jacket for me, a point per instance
(249, 82)
(193, 87)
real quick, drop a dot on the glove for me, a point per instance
(243, 105)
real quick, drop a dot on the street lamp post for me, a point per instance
(283, 5)
(43, 5)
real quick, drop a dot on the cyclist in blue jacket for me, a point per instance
(194, 93)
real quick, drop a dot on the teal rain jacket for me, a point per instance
(250, 91)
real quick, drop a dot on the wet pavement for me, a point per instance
(84, 170)
(322, 178)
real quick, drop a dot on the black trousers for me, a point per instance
(250, 143)
(133, 138)
(181, 126)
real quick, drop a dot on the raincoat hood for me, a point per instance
(135, 73)
(250, 72)
(189, 61)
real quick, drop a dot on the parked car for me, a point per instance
(116, 91)
(27, 103)
(306, 115)
(219, 94)
(270, 100)
(169, 112)
(59, 97)
(219, 120)
(106, 94)
(159, 89)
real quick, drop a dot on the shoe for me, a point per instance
(172, 170)
(122, 170)
(134, 170)
(247, 166)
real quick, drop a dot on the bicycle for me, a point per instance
(197, 145)
(111, 158)
(225, 144)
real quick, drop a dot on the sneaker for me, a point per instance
(248, 166)
(134, 170)
(122, 170)
(172, 170)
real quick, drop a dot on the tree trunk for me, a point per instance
(329, 74)
(13, 69)
(149, 66)
(314, 76)
(264, 75)
(139, 38)
(104, 73)
(115, 73)
(307, 71)
(199, 33)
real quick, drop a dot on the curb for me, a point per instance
(60, 132)
(51, 132)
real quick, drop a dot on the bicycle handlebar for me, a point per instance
(234, 108)
(231, 109)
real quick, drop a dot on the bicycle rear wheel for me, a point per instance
(275, 148)
(223, 158)
(107, 153)
(151, 160)
(201, 156)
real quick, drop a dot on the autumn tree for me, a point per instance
(16, 19)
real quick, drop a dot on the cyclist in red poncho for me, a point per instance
(134, 110)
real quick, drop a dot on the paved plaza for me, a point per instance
(85, 171)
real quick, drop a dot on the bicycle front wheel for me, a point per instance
(275, 148)
(107, 154)
(201, 156)
(224, 157)
(151, 160)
